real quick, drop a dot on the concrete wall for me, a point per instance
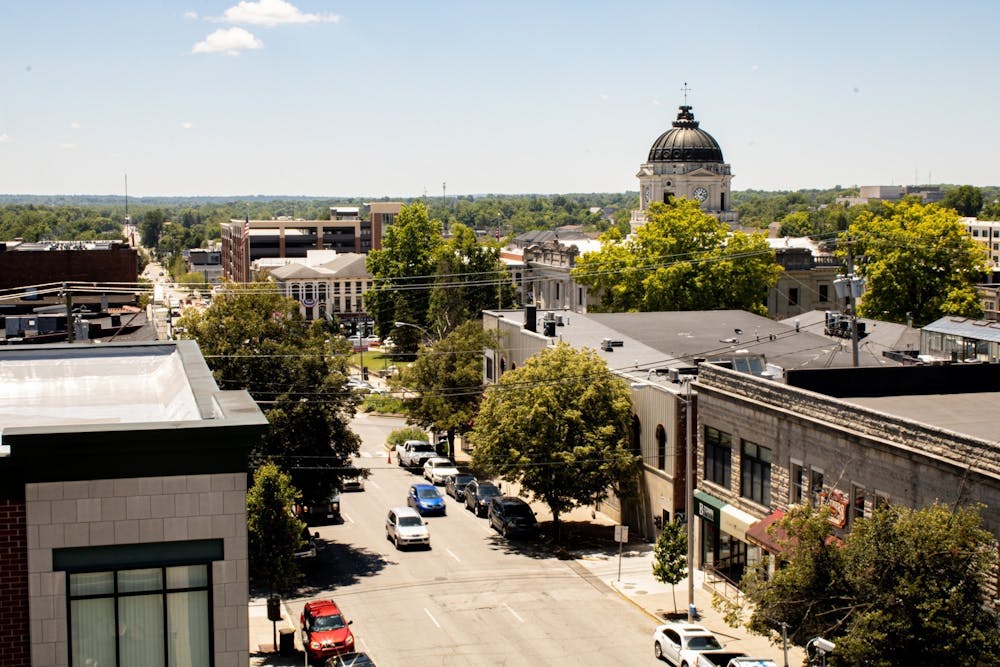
(130, 511)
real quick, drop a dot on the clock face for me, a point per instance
(701, 194)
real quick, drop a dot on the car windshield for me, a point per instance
(703, 643)
(488, 490)
(461, 480)
(427, 492)
(518, 510)
(410, 521)
(331, 622)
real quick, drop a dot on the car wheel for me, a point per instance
(658, 650)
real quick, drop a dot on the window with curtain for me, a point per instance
(155, 617)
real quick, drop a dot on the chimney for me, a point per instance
(530, 318)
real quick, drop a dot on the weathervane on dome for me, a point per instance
(685, 90)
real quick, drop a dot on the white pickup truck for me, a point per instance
(413, 453)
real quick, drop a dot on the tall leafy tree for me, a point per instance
(670, 556)
(967, 200)
(254, 338)
(918, 260)
(558, 426)
(402, 273)
(469, 279)
(907, 587)
(273, 532)
(447, 379)
(681, 259)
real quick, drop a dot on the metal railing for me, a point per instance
(719, 583)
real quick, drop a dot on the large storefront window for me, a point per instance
(157, 617)
(718, 456)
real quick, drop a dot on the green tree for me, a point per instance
(469, 278)
(907, 587)
(967, 200)
(273, 532)
(150, 228)
(447, 378)
(670, 556)
(917, 260)
(402, 272)
(401, 435)
(681, 259)
(558, 426)
(254, 338)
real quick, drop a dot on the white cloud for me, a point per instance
(67, 146)
(187, 125)
(229, 41)
(191, 14)
(754, 68)
(272, 13)
(75, 125)
(4, 137)
(604, 97)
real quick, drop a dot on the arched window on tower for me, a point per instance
(636, 436)
(661, 447)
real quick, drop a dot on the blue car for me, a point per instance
(426, 499)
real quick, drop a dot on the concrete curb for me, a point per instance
(634, 603)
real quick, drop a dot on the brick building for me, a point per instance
(123, 535)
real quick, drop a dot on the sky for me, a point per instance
(380, 98)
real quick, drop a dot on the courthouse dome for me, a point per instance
(685, 142)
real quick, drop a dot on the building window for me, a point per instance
(793, 296)
(152, 616)
(815, 486)
(881, 499)
(755, 473)
(558, 291)
(857, 502)
(796, 483)
(824, 293)
(661, 447)
(718, 456)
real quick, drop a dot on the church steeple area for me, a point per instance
(686, 161)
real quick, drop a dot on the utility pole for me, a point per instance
(854, 314)
(70, 333)
(689, 501)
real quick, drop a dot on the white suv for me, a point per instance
(680, 643)
(437, 469)
(404, 526)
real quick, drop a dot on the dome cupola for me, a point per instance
(685, 142)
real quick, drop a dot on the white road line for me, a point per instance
(457, 559)
(367, 650)
(430, 616)
(370, 482)
(513, 613)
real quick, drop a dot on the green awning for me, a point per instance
(707, 507)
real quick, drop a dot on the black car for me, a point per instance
(478, 496)
(351, 660)
(454, 485)
(513, 516)
(319, 510)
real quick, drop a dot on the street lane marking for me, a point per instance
(513, 613)
(374, 484)
(347, 517)
(457, 559)
(367, 650)
(429, 615)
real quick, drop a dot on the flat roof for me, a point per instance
(972, 414)
(94, 384)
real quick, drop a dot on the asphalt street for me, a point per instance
(473, 598)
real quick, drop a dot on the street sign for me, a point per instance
(621, 533)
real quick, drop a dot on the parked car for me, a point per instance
(512, 516)
(309, 548)
(746, 661)
(325, 632)
(320, 510)
(404, 527)
(351, 660)
(353, 479)
(413, 453)
(425, 498)
(680, 643)
(478, 495)
(438, 468)
(721, 658)
(454, 485)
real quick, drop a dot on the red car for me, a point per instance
(325, 633)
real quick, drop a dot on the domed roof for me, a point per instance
(685, 142)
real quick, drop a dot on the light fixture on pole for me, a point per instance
(415, 326)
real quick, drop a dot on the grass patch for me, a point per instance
(382, 404)
(377, 361)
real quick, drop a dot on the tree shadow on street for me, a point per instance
(338, 565)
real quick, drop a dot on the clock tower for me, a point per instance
(685, 161)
